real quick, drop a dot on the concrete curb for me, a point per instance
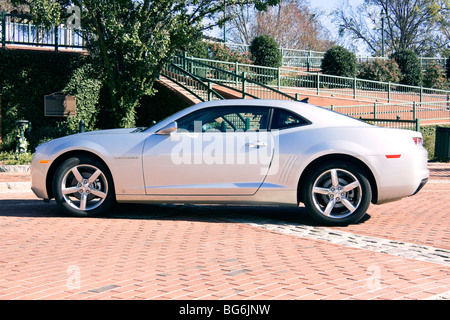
(15, 168)
(15, 186)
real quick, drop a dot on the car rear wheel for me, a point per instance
(83, 187)
(337, 193)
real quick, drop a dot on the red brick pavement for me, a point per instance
(157, 252)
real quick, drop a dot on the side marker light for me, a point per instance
(393, 156)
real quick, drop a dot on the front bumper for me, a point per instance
(39, 176)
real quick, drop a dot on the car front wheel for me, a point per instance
(337, 193)
(83, 187)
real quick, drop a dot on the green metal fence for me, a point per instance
(318, 83)
(428, 112)
(397, 124)
(312, 60)
(245, 83)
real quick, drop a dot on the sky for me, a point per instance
(327, 6)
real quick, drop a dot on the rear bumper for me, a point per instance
(401, 177)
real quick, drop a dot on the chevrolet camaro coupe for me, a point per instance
(252, 152)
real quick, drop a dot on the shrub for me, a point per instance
(224, 53)
(13, 158)
(26, 77)
(429, 139)
(380, 70)
(339, 61)
(196, 48)
(434, 77)
(85, 85)
(266, 51)
(410, 67)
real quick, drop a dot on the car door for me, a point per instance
(214, 151)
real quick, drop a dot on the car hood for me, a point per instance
(109, 131)
(88, 136)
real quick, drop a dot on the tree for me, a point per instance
(292, 23)
(8, 6)
(440, 10)
(130, 41)
(239, 27)
(408, 24)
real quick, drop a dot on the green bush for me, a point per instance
(13, 158)
(410, 67)
(434, 77)
(339, 61)
(85, 85)
(26, 77)
(429, 139)
(223, 53)
(380, 70)
(265, 51)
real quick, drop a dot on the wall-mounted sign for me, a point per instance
(59, 104)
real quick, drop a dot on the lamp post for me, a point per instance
(383, 16)
(224, 23)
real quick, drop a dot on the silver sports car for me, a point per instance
(260, 152)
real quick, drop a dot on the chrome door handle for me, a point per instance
(256, 144)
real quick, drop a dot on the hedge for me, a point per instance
(410, 67)
(26, 76)
(339, 61)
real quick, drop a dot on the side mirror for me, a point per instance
(171, 127)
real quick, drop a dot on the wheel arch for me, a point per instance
(333, 158)
(63, 157)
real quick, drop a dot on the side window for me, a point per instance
(283, 119)
(226, 119)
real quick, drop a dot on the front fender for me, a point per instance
(122, 154)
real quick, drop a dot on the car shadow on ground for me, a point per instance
(203, 213)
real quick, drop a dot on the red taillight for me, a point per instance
(418, 141)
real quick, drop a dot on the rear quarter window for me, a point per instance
(284, 119)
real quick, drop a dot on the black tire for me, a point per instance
(337, 193)
(83, 187)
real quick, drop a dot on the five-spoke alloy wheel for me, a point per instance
(337, 193)
(83, 187)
